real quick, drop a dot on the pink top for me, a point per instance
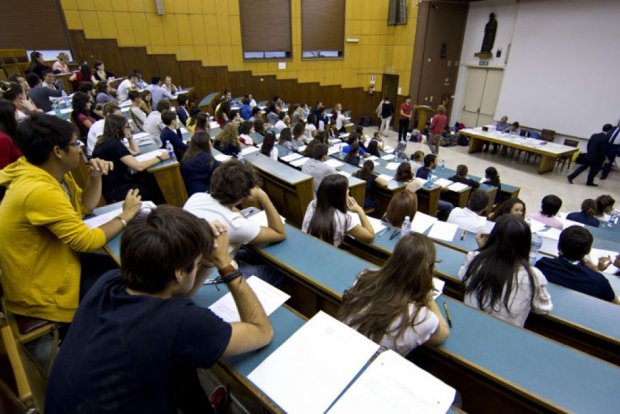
(549, 221)
(8, 150)
(406, 109)
(438, 124)
(62, 67)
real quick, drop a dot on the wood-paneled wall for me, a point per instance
(121, 60)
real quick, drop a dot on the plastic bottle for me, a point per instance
(613, 216)
(442, 166)
(405, 229)
(170, 150)
(535, 248)
(429, 181)
(56, 109)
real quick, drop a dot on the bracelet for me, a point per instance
(122, 220)
(230, 276)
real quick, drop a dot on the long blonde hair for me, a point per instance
(229, 135)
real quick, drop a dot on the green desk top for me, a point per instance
(277, 169)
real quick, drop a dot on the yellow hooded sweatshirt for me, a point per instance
(41, 231)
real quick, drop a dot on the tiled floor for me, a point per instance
(533, 186)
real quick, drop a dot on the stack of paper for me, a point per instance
(291, 157)
(299, 162)
(392, 165)
(421, 222)
(457, 187)
(443, 182)
(310, 370)
(302, 148)
(392, 384)
(388, 157)
(223, 157)
(443, 231)
(102, 219)
(149, 155)
(333, 163)
(269, 296)
(385, 177)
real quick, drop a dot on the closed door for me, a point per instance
(481, 95)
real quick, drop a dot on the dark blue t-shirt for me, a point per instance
(197, 172)
(579, 217)
(578, 277)
(122, 350)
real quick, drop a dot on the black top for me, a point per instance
(458, 179)
(423, 172)
(578, 277)
(123, 350)
(597, 147)
(113, 150)
(197, 172)
(387, 109)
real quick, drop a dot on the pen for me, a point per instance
(394, 234)
(463, 234)
(382, 232)
(445, 308)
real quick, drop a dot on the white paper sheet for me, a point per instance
(291, 157)
(213, 125)
(222, 157)
(376, 224)
(308, 372)
(249, 150)
(388, 149)
(443, 231)
(299, 162)
(443, 182)
(421, 222)
(567, 223)
(140, 136)
(385, 177)
(334, 149)
(260, 218)
(438, 285)
(550, 233)
(302, 148)
(457, 187)
(489, 226)
(102, 219)
(373, 158)
(149, 155)
(596, 254)
(392, 384)
(388, 157)
(333, 163)
(269, 296)
(392, 165)
(346, 174)
(536, 226)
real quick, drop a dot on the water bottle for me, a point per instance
(613, 216)
(56, 109)
(66, 100)
(442, 166)
(429, 181)
(240, 157)
(405, 229)
(170, 150)
(535, 247)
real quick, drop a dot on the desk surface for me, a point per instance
(531, 144)
(276, 168)
(523, 361)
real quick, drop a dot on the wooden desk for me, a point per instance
(290, 190)
(169, 179)
(423, 112)
(507, 191)
(549, 152)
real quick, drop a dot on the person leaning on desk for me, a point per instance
(137, 338)
(41, 227)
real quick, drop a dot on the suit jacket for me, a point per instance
(597, 147)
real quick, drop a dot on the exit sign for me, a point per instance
(483, 63)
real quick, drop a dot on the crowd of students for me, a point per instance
(49, 270)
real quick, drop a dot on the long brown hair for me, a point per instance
(200, 142)
(381, 296)
(401, 205)
(229, 135)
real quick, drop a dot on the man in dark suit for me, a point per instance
(597, 150)
(613, 149)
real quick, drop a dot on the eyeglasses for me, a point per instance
(77, 144)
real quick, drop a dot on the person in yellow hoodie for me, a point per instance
(41, 226)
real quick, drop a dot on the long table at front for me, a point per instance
(549, 152)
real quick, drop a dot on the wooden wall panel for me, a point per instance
(122, 60)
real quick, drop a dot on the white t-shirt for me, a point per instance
(274, 153)
(520, 301)
(153, 126)
(241, 231)
(123, 89)
(308, 130)
(343, 222)
(94, 132)
(427, 323)
(280, 125)
(468, 220)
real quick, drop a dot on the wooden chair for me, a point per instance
(562, 160)
(547, 135)
(30, 381)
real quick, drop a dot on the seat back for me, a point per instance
(547, 135)
(571, 142)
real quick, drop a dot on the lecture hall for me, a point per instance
(399, 206)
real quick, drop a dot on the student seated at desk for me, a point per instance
(268, 147)
(404, 175)
(353, 154)
(316, 166)
(472, 218)
(299, 137)
(352, 139)
(181, 109)
(135, 112)
(310, 127)
(513, 206)
(373, 148)
(232, 183)
(9, 152)
(283, 121)
(227, 141)
(96, 130)
(333, 214)
(245, 131)
(401, 205)
(550, 206)
(153, 124)
(394, 305)
(417, 161)
(572, 271)
(365, 173)
(43, 274)
(128, 84)
(104, 94)
(147, 101)
(194, 111)
(498, 278)
(286, 139)
(430, 163)
(461, 177)
(586, 215)
(80, 115)
(491, 177)
(41, 94)
(604, 205)
(138, 338)
(172, 133)
(198, 164)
(119, 182)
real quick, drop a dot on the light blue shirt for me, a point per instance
(158, 93)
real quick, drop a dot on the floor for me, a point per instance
(533, 186)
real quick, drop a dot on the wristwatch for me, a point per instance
(230, 272)
(122, 220)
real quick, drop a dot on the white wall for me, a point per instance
(562, 70)
(506, 15)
